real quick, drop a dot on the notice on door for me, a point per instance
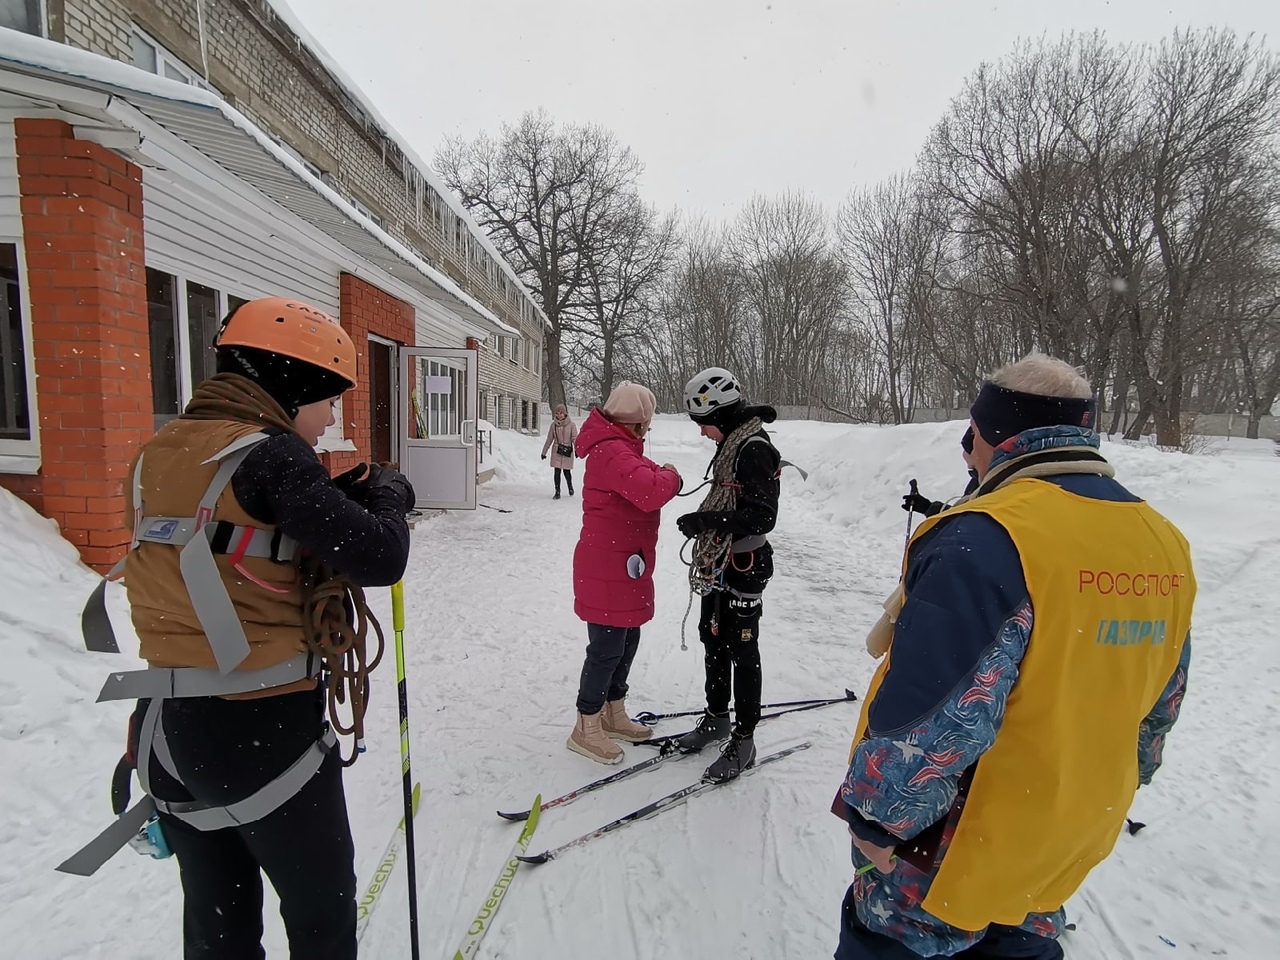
(442, 385)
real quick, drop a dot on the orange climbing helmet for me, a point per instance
(291, 328)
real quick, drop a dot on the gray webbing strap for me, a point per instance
(95, 623)
(137, 499)
(86, 861)
(747, 544)
(263, 803)
(146, 735)
(178, 683)
(213, 607)
(179, 531)
(236, 446)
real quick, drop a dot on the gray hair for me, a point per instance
(1042, 374)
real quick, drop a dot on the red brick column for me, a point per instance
(86, 293)
(366, 309)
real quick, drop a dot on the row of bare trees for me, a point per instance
(561, 204)
(1116, 206)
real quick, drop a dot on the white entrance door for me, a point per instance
(438, 406)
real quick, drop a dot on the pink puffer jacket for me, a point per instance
(622, 494)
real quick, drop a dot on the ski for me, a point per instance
(667, 753)
(480, 925)
(658, 806)
(364, 909)
(649, 718)
(661, 742)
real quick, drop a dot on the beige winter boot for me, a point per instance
(589, 740)
(619, 726)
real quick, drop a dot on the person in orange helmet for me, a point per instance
(245, 582)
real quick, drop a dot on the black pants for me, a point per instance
(225, 750)
(610, 651)
(999, 943)
(730, 629)
(568, 478)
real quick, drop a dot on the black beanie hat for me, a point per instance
(1000, 413)
(724, 417)
(291, 383)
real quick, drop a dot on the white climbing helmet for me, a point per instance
(710, 390)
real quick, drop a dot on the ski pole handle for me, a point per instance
(397, 606)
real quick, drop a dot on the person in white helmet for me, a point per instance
(732, 562)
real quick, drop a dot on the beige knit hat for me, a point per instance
(630, 403)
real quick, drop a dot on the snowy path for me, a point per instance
(755, 870)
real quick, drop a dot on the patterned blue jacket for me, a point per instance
(957, 645)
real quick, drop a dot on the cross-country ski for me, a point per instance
(484, 916)
(382, 874)
(661, 805)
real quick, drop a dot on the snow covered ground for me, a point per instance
(754, 870)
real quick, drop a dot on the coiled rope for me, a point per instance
(336, 622)
(711, 548)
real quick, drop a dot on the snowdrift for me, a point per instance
(754, 870)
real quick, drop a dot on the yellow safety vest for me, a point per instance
(1112, 588)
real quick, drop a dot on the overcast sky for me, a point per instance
(719, 98)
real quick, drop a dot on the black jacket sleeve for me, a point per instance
(283, 482)
(757, 505)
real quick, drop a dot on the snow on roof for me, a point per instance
(97, 71)
(290, 20)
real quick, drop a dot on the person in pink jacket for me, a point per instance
(622, 494)
(561, 436)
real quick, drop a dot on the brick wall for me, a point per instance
(255, 61)
(366, 309)
(98, 25)
(86, 292)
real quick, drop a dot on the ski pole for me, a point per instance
(910, 516)
(402, 691)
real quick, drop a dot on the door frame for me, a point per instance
(464, 440)
(393, 399)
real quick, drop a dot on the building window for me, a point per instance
(533, 415)
(162, 322)
(524, 414)
(500, 344)
(515, 351)
(150, 56)
(15, 410)
(202, 324)
(22, 15)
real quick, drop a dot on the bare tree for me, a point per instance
(794, 284)
(545, 195)
(622, 280)
(892, 249)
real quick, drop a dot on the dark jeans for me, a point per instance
(730, 629)
(610, 651)
(999, 943)
(568, 478)
(224, 751)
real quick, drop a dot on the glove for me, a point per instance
(352, 482)
(692, 524)
(385, 476)
(544, 456)
(915, 502)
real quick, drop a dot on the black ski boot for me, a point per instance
(735, 756)
(709, 730)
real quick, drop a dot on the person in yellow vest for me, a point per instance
(1038, 662)
(243, 769)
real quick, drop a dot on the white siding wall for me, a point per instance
(186, 237)
(10, 209)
